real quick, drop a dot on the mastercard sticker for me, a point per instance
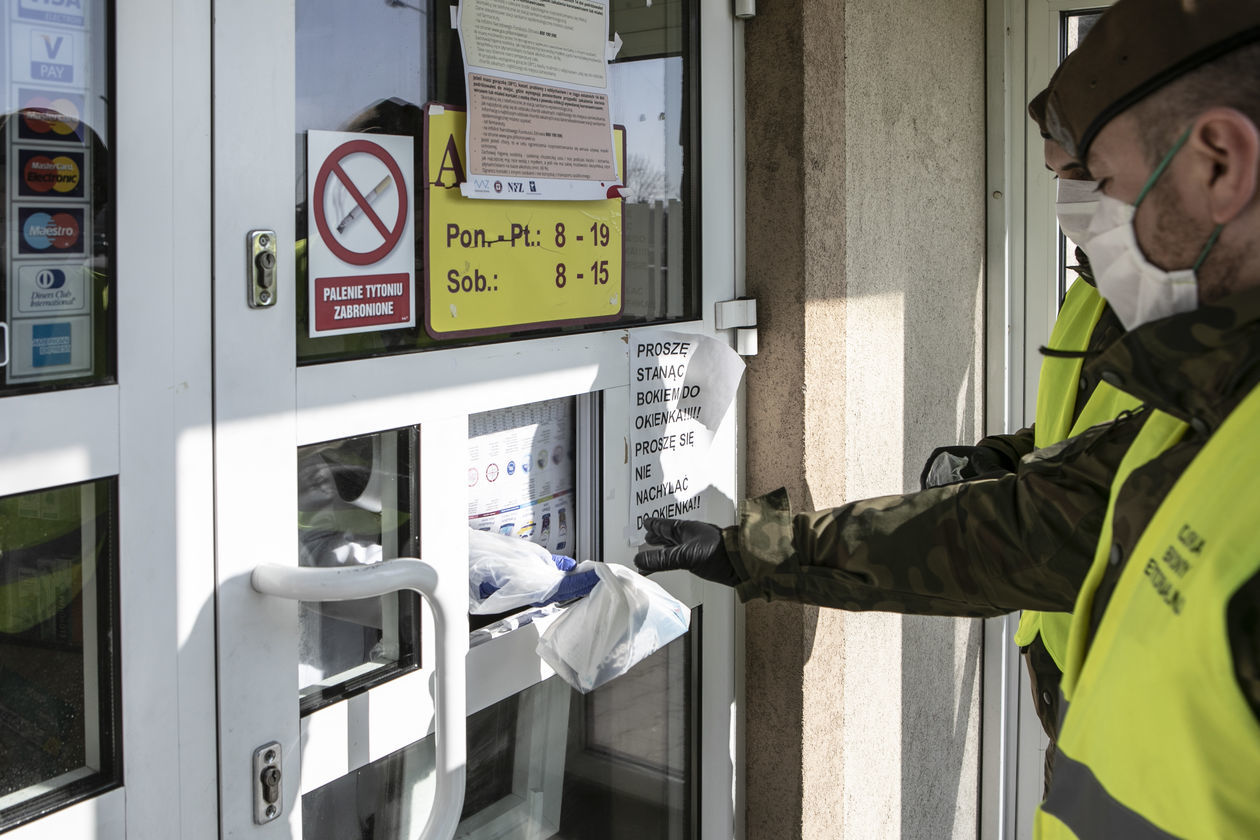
(51, 230)
(51, 174)
(49, 115)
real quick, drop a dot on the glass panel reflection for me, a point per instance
(356, 500)
(59, 719)
(56, 263)
(616, 764)
(410, 55)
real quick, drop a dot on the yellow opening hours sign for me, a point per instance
(497, 266)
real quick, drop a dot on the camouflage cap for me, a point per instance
(1137, 47)
(1037, 110)
(1037, 105)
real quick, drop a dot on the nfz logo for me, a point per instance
(50, 278)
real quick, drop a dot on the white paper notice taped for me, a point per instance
(681, 387)
(539, 100)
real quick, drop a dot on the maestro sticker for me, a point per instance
(51, 230)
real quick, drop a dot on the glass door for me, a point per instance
(354, 428)
(106, 637)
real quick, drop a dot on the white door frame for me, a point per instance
(259, 429)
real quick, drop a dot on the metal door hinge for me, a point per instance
(745, 9)
(268, 793)
(740, 315)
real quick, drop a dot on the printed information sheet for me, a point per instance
(539, 119)
(521, 474)
(681, 387)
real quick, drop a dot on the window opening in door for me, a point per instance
(57, 212)
(59, 704)
(523, 481)
(616, 764)
(406, 54)
(356, 506)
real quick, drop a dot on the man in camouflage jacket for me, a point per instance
(1025, 540)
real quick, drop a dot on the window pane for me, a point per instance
(56, 173)
(615, 764)
(412, 56)
(1075, 26)
(522, 475)
(356, 507)
(58, 657)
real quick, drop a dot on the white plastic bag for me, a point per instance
(625, 619)
(507, 573)
(946, 469)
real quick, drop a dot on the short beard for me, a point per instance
(1181, 245)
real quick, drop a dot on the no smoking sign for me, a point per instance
(361, 232)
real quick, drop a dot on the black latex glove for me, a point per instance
(686, 544)
(980, 462)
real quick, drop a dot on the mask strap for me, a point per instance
(1216, 233)
(1163, 164)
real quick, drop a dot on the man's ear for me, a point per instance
(1230, 145)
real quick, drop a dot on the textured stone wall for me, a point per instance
(865, 219)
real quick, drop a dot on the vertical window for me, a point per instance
(356, 507)
(59, 709)
(1074, 26)
(56, 174)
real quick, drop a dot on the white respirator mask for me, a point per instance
(1075, 206)
(1138, 291)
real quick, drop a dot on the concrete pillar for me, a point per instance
(865, 219)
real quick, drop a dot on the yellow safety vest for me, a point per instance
(1057, 389)
(1157, 740)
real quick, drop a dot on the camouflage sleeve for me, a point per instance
(1009, 449)
(992, 456)
(980, 548)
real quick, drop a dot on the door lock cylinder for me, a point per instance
(261, 253)
(268, 793)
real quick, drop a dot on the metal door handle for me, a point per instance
(353, 582)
